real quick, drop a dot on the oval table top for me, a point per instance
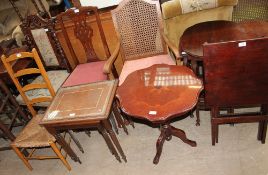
(195, 36)
(159, 93)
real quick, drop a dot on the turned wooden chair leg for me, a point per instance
(197, 117)
(58, 153)
(22, 157)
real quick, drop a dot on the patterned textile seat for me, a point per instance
(56, 78)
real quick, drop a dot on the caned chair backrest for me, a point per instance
(40, 34)
(81, 27)
(138, 24)
(236, 73)
(17, 74)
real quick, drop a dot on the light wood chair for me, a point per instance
(33, 136)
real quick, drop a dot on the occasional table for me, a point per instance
(158, 94)
(81, 107)
(193, 38)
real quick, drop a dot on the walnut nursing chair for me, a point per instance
(236, 74)
(84, 37)
(138, 24)
(40, 33)
(33, 136)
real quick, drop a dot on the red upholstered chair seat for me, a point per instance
(86, 73)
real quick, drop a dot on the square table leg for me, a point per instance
(108, 127)
(108, 142)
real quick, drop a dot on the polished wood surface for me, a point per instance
(159, 93)
(71, 109)
(194, 37)
(236, 74)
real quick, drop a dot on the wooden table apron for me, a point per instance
(84, 121)
(158, 94)
(195, 36)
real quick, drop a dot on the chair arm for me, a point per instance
(110, 61)
(172, 47)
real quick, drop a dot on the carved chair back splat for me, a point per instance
(83, 32)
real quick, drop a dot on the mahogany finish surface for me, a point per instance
(194, 37)
(158, 94)
(236, 75)
(83, 106)
(170, 91)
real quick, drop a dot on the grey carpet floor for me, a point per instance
(237, 153)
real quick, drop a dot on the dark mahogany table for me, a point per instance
(194, 37)
(83, 106)
(158, 94)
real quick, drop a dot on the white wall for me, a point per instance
(99, 3)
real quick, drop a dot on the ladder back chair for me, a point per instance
(80, 28)
(139, 28)
(33, 135)
(236, 74)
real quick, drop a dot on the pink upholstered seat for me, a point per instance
(133, 65)
(86, 73)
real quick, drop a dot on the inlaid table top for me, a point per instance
(84, 102)
(159, 93)
(195, 36)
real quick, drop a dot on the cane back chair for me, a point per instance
(33, 135)
(236, 74)
(139, 29)
(80, 28)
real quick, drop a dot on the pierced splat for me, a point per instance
(81, 19)
(84, 33)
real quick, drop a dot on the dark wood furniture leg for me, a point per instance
(109, 142)
(112, 120)
(167, 131)
(64, 144)
(7, 132)
(78, 144)
(109, 129)
(118, 118)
